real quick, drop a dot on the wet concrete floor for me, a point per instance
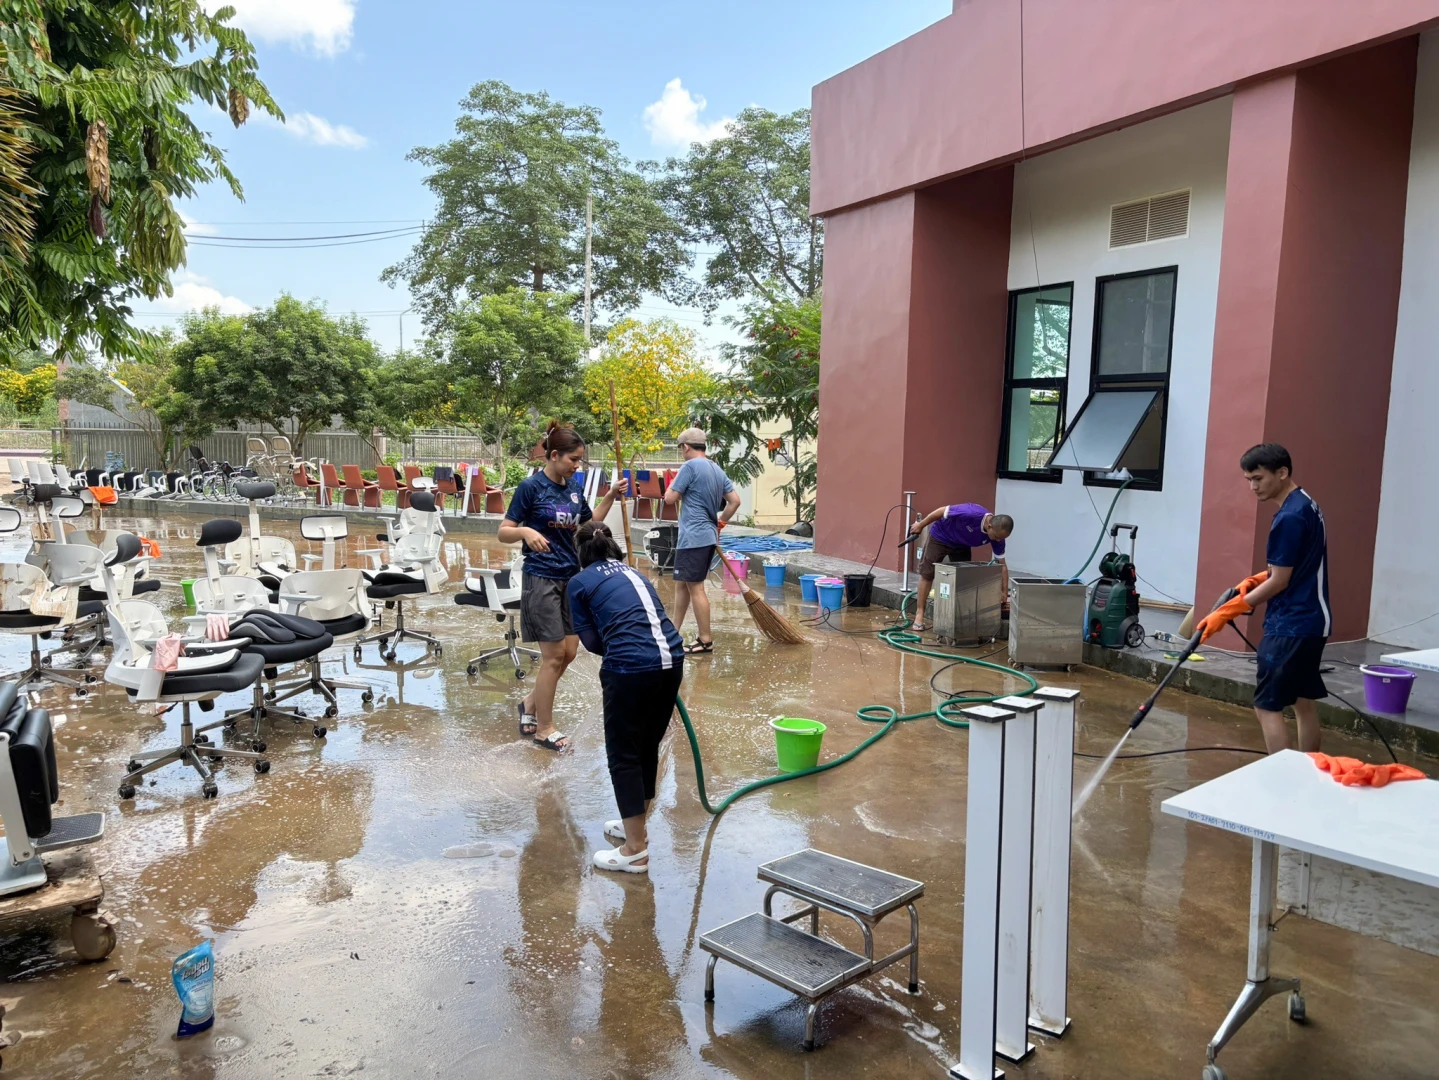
(348, 944)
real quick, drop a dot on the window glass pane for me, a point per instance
(1142, 457)
(1097, 438)
(1135, 315)
(1041, 333)
(1033, 427)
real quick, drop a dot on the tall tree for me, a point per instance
(511, 189)
(291, 366)
(746, 194)
(105, 89)
(499, 364)
(773, 376)
(143, 394)
(656, 375)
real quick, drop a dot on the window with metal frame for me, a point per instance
(1036, 374)
(1121, 425)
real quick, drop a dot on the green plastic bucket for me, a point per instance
(188, 588)
(796, 742)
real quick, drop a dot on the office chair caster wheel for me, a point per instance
(132, 765)
(1296, 1007)
(127, 791)
(358, 654)
(45, 661)
(390, 656)
(269, 695)
(209, 791)
(320, 731)
(89, 678)
(332, 712)
(93, 935)
(519, 673)
(300, 713)
(367, 698)
(202, 740)
(257, 745)
(262, 766)
(81, 692)
(473, 669)
(216, 760)
(439, 650)
(1214, 1072)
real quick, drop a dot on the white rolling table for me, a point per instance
(1284, 800)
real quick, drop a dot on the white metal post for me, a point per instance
(908, 548)
(1049, 902)
(982, 852)
(1011, 1032)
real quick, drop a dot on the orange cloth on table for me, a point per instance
(1351, 772)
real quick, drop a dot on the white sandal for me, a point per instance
(611, 859)
(615, 829)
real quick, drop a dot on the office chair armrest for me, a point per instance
(310, 560)
(297, 601)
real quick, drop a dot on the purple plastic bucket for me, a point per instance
(1386, 689)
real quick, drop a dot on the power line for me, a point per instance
(289, 239)
(302, 247)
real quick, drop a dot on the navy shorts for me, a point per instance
(693, 564)
(1288, 671)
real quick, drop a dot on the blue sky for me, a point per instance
(364, 81)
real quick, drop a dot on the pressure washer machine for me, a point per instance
(1113, 616)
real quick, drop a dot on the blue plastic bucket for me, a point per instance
(807, 589)
(831, 597)
(774, 575)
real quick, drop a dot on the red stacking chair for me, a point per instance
(305, 482)
(649, 491)
(331, 479)
(389, 480)
(358, 490)
(668, 512)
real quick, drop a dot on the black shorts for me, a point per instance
(935, 552)
(1288, 671)
(544, 609)
(693, 564)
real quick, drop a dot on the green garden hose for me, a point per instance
(896, 637)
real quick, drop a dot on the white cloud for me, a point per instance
(324, 25)
(194, 228)
(674, 120)
(194, 293)
(319, 131)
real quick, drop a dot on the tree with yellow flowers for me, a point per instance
(656, 375)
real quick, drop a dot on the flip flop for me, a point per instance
(550, 741)
(527, 721)
(614, 829)
(611, 859)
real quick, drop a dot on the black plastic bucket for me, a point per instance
(858, 589)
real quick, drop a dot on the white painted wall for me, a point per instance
(1406, 572)
(1061, 221)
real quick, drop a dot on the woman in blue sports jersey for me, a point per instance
(544, 513)
(618, 614)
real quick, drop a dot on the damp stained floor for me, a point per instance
(348, 944)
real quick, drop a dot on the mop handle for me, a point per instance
(619, 472)
(1189, 647)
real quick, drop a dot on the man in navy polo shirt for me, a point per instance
(1297, 620)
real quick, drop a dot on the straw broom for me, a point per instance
(771, 623)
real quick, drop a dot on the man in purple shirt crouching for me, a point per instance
(953, 532)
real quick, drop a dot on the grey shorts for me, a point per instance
(693, 564)
(544, 609)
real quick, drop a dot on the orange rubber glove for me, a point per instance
(1252, 581)
(1222, 616)
(722, 524)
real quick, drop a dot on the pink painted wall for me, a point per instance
(912, 380)
(947, 100)
(1308, 302)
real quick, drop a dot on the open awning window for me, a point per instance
(1106, 428)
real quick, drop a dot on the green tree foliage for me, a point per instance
(29, 391)
(511, 190)
(657, 377)
(747, 194)
(104, 90)
(17, 189)
(291, 366)
(773, 376)
(142, 392)
(496, 366)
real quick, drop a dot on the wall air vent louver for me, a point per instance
(1160, 217)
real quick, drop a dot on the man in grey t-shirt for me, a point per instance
(707, 499)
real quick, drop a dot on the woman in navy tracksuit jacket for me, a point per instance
(618, 614)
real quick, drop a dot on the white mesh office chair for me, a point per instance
(414, 568)
(497, 590)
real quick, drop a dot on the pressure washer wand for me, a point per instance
(1190, 646)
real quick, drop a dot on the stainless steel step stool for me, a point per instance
(804, 963)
